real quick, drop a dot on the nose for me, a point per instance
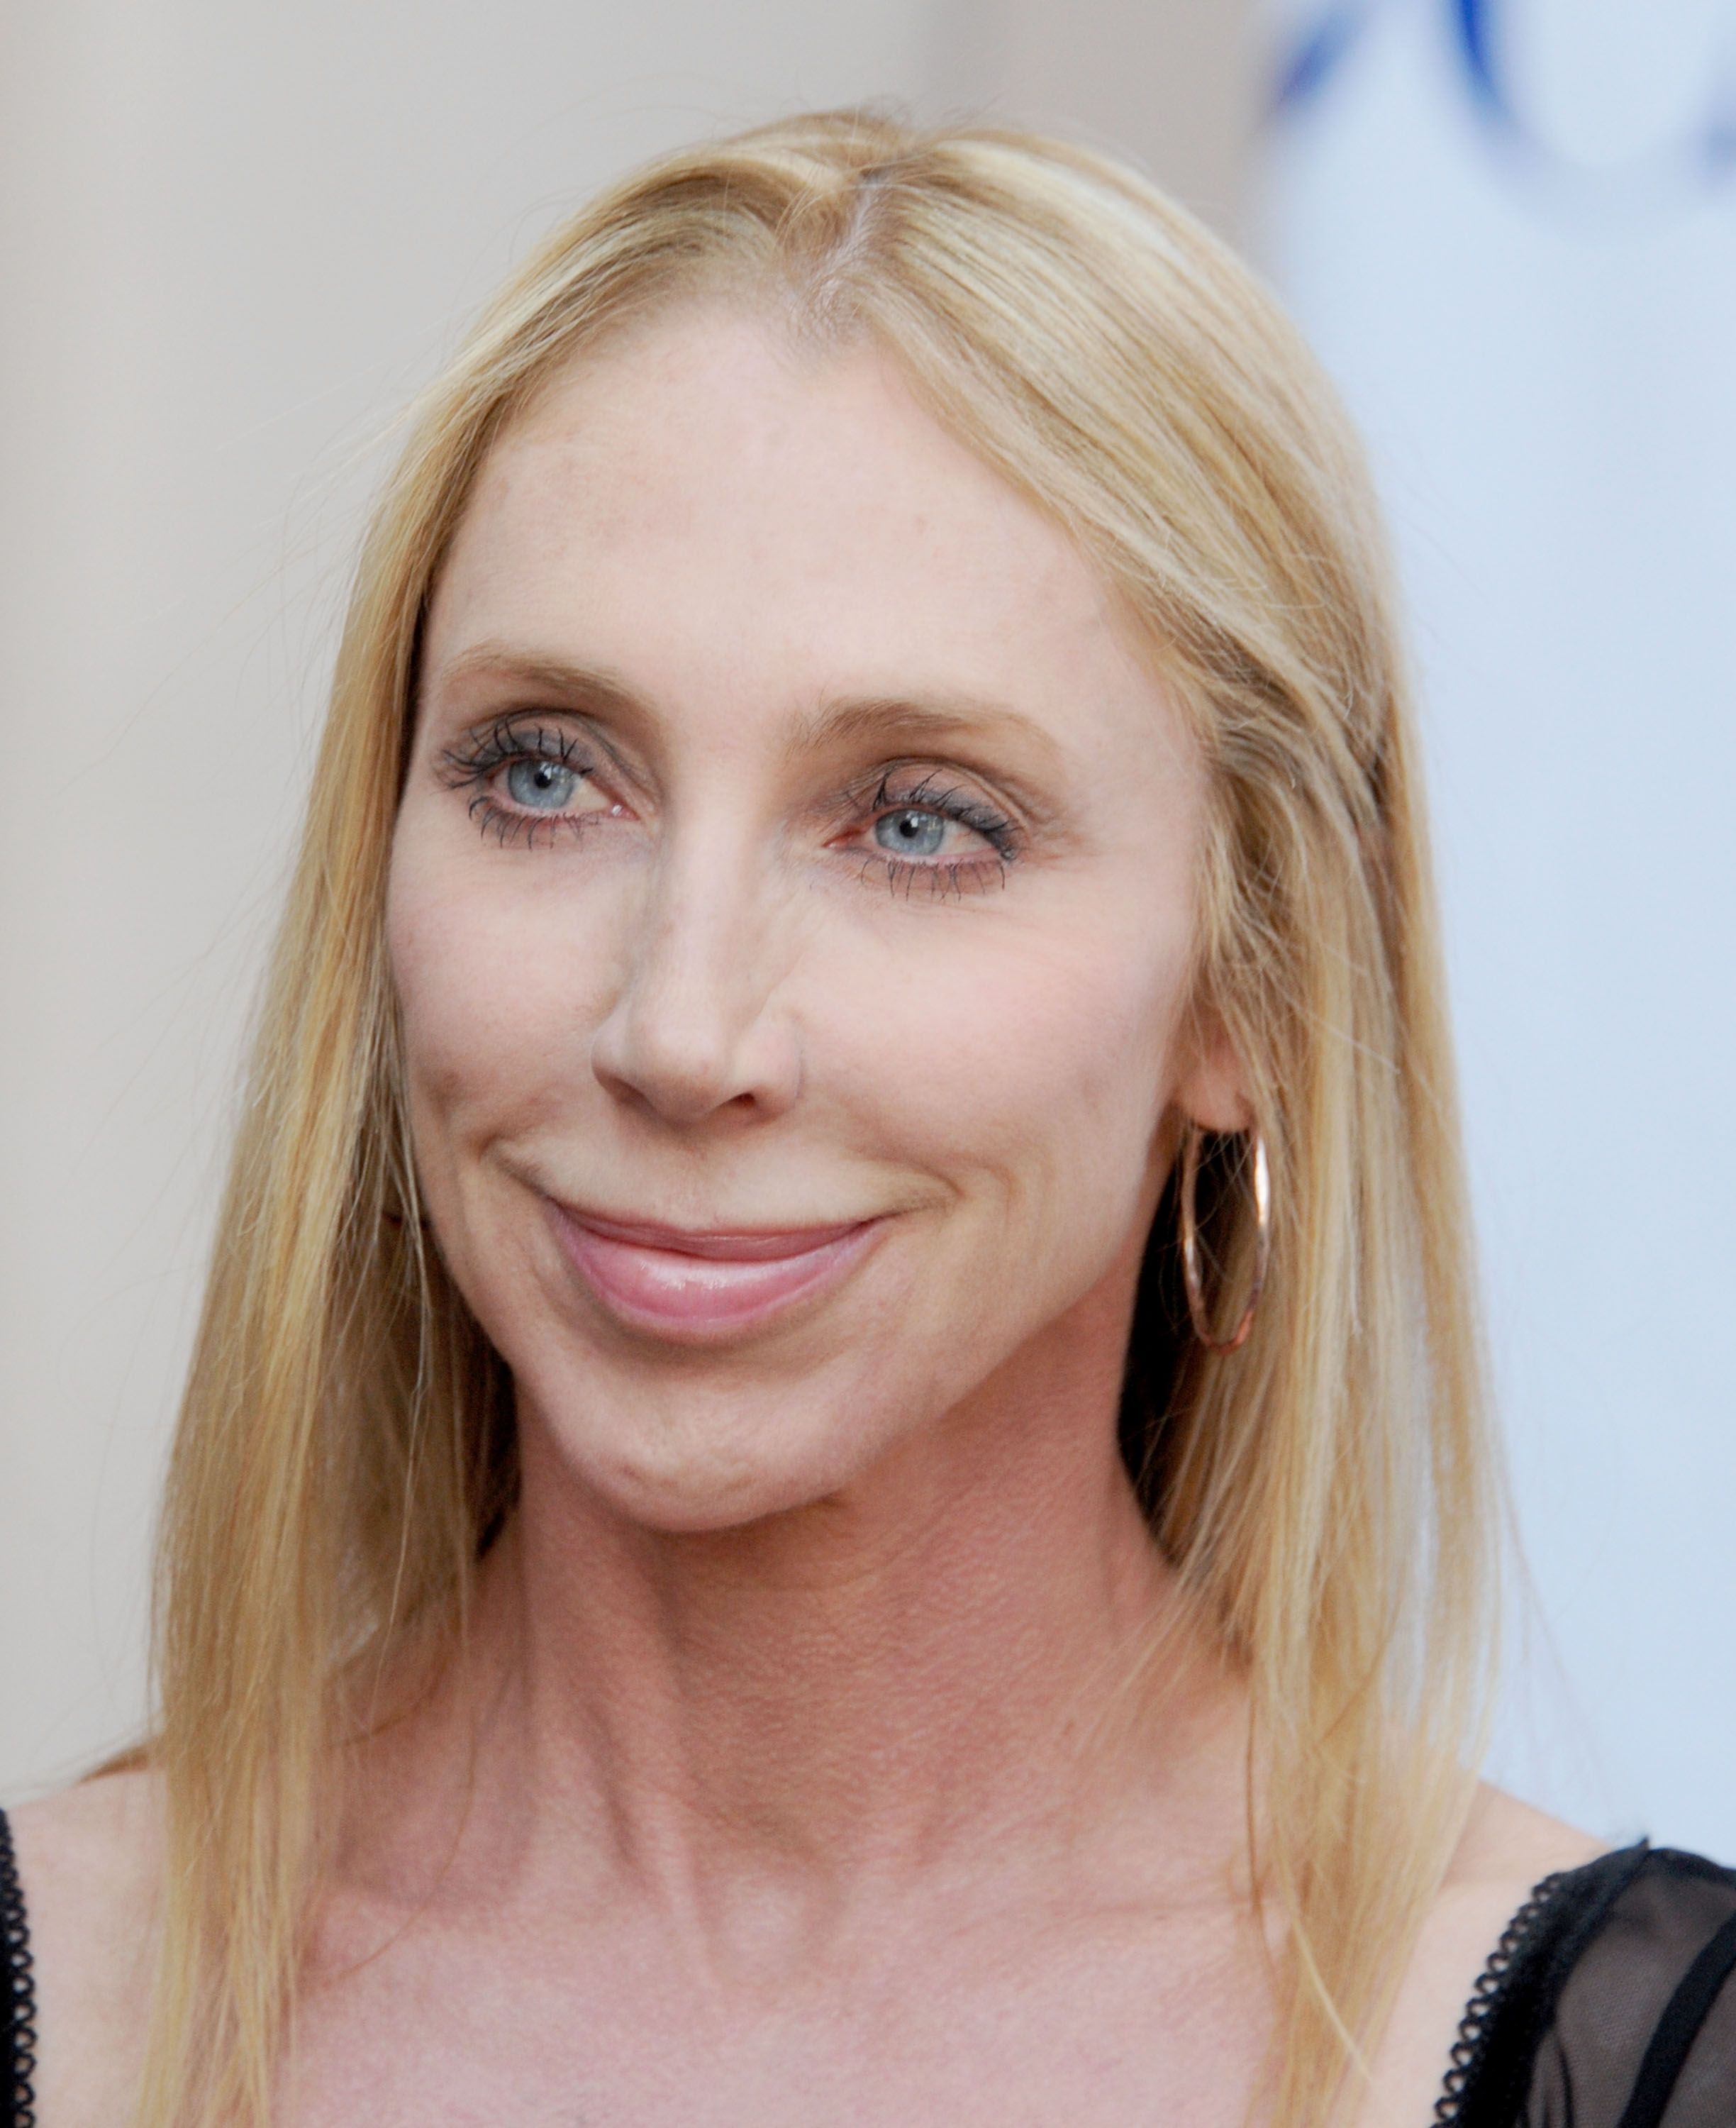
(696, 1029)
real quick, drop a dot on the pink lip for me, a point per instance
(673, 1280)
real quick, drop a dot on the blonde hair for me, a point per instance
(346, 1445)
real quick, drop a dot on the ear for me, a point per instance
(1212, 1088)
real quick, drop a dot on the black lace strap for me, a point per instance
(1490, 2064)
(17, 1996)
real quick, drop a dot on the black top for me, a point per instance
(17, 1996)
(1603, 2005)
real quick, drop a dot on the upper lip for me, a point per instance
(740, 1244)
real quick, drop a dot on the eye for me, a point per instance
(933, 836)
(541, 786)
(528, 781)
(912, 832)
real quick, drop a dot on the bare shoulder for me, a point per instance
(89, 1863)
(1506, 1849)
(88, 1859)
(1508, 1843)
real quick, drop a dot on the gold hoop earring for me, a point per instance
(1190, 1242)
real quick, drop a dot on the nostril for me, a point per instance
(700, 1026)
(756, 1071)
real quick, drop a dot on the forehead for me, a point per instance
(707, 503)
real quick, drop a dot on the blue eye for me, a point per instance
(544, 786)
(912, 833)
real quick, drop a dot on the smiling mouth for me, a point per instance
(695, 1285)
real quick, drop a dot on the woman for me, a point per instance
(834, 1470)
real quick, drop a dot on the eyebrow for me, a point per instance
(939, 719)
(584, 686)
(935, 718)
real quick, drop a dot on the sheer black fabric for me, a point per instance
(1606, 2003)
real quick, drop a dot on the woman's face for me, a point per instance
(791, 905)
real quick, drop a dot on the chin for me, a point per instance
(686, 1463)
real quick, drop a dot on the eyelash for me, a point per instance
(508, 740)
(511, 739)
(943, 880)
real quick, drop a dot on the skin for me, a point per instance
(804, 1767)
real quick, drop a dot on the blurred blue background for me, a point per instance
(1509, 227)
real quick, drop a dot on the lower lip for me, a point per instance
(673, 1292)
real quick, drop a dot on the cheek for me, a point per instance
(494, 979)
(1029, 1065)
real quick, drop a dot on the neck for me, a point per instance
(973, 1651)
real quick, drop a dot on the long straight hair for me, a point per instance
(346, 1446)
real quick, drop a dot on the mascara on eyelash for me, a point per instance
(507, 739)
(951, 805)
(527, 830)
(941, 882)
